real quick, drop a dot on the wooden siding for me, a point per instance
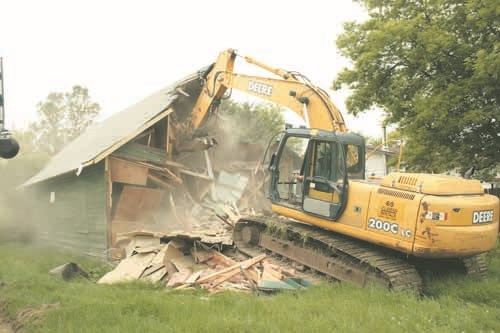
(76, 220)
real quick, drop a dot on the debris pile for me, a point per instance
(150, 192)
(174, 194)
(184, 262)
(175, 178)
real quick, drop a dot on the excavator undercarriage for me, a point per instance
(334, 255)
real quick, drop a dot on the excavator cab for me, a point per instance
(311, 168)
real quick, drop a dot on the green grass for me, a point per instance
(452, 304)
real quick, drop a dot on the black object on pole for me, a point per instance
(8, 146)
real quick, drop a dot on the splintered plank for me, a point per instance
(232, 270)
(157, 276)
(128, 269)
(138, 203)
(183, 262)
(178, 278)
(129, 173)
(271, 272)
(171, 252)
(193, 277)
(201, 255)
(160, 182)
(152, 269)
(142, 244)
(119, 228)
(219, 258)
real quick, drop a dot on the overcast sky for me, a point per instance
(123, 50)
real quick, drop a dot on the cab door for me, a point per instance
(325, 179)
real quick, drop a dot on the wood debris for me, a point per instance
(181, 263)
(172, 205)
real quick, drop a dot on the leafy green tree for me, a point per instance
(252, 123)
(434, 67)
(63, 117)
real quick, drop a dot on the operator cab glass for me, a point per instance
(324, 187)
(311, 172)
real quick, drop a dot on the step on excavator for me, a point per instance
(327, 216)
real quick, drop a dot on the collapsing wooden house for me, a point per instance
(120, 176)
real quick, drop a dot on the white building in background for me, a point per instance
(376, 163)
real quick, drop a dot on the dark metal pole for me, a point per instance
(2, 105)
(8, 146)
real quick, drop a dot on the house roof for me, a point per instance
(372, 149)
(103, 138)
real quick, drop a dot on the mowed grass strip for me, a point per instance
(452, 304)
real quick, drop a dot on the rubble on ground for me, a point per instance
(181, 262)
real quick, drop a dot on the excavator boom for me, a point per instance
(291, 90)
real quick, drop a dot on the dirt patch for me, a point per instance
(5, 325)
(31, 315)
(28, 315)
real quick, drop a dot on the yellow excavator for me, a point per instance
(331, 219)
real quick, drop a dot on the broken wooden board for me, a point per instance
(147, 243)
(151, 269)
(143, 153)
(160, 182)
(183, 262)
(235, 268)
(120, 227)
(128, 269)
(171, 252)
(127, 172)
(171, 270)
(158, 259)
(165, 172)
(147, 249)
(271, 272)
(198, 187)
(200, 255)
(138, 203)
(178, 278)
(218, 236)
(116, 253)
(230, 275)
(193, 277)
(220, 259)
(157, 275)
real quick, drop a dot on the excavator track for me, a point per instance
(334, 255)
(476, 266)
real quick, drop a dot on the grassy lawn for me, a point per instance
(451, 304)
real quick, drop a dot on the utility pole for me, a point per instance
(8, 146)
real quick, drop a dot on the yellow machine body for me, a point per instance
(426, 219)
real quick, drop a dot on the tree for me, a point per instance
(253, 123)
(63, 117)
(434, 67)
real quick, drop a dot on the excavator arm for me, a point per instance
(291, 90)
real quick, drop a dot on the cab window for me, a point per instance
(353, 161)
(324, 155)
